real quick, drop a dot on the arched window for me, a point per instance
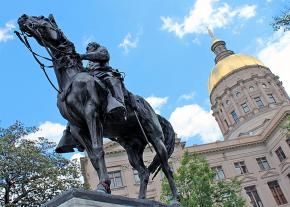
(251, 88)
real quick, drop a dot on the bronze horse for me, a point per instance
(82, 101)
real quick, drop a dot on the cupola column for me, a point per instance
(249, 99)
(220, 123)
(237, 109)
(265, 97)
(279, 98)
(224, 112)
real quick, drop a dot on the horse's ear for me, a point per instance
(51, 18)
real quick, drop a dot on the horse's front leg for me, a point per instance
(98, 156)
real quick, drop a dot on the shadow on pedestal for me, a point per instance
(84, 198)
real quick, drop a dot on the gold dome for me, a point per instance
(228, 65)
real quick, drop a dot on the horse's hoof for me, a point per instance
(175, 204)
(103, 187)
(101, 191)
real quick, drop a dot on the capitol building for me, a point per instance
(250, 104)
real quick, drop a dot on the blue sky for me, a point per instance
(162, 46)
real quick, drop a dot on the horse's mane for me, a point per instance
(68, 47)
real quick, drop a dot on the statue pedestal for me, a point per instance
(84, 198)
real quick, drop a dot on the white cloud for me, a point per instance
(246, 11)
(187, 97)
(130, 42)
(196, 41)
(77, 156)
(5, 32)
(51, 131)
(192, 120)
(204, 14)
(275, 55)
(157, 102)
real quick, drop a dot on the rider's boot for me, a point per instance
(116, 106)
(67, 142)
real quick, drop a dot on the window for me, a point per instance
(116, 179)
(277, 192)
(219, 173)
(288, 141)
(136, 176)
(264, 85)
(227, 102)
(238, 94)
(271, 98)
(251, 88)
(259, 102)
(241, 167)
(235, 116)
(254, 196)
(263, 163)
(280, 154)
(245, 107)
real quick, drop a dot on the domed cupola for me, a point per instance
(244, 93)
(226, 61)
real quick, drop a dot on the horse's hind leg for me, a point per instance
(163, 157)
(136, 161)
(155, 137)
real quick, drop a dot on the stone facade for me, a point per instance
(255, 160)
(249, 103)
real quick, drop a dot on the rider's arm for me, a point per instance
(101, 54)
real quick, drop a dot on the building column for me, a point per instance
(225, 114)
(280, 86)
(237, 109)
(259, 84)
(250, 100)
(273, 85)
(220, 123)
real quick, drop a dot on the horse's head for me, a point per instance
(44, 30)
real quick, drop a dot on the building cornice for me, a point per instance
(262, 138)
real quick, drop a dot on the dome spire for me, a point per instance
(212, 36)
(218, 47)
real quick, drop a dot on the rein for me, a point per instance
(24, 40)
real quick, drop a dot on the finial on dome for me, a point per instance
(212, 36)
(210, 32)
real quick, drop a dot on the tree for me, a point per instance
(197, 187)
(31, 173)
(282, 21)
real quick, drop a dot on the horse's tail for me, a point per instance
(169, 142)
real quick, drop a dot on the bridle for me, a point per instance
(23, 37)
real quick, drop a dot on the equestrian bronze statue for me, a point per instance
(83, 101)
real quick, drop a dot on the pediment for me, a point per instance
(284, 166)
(112, 147)
(257, 130)
(270, 173)
(248, 178)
